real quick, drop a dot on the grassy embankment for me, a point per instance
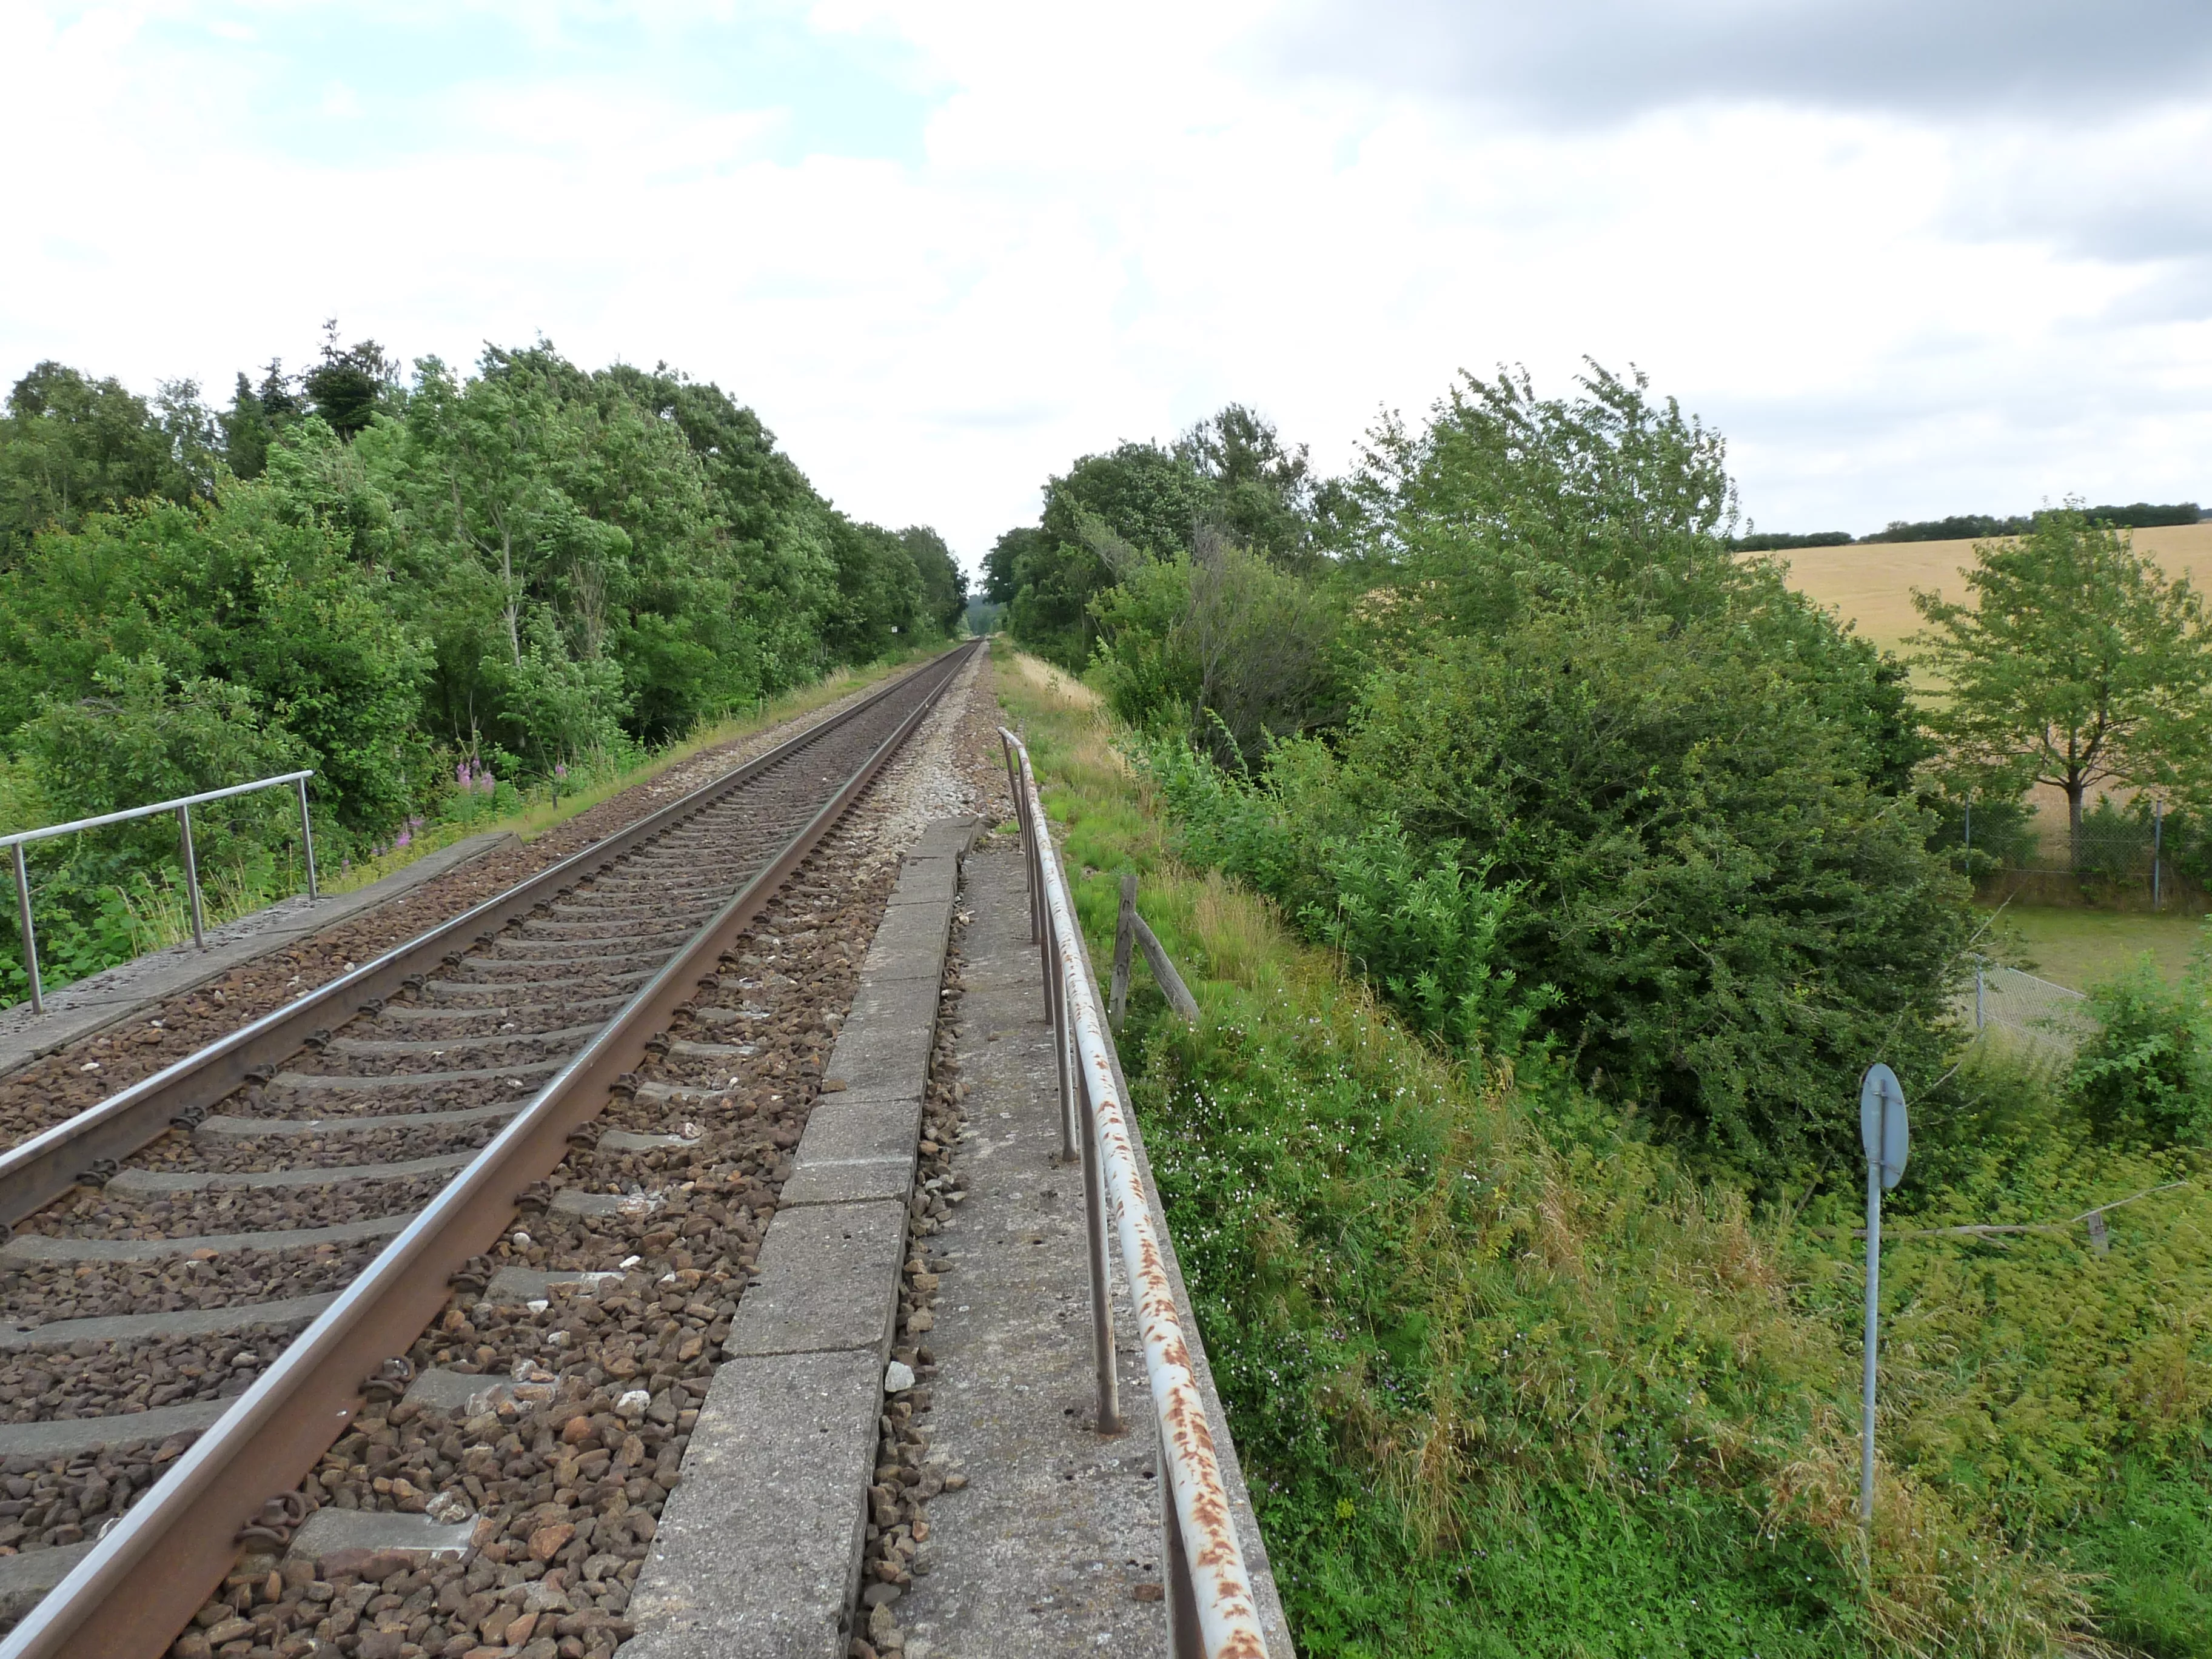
(1507, 1382)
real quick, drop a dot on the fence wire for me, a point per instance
(2007, 1000)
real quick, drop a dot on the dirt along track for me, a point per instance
(561, 1457)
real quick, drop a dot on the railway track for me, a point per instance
(242, 1272)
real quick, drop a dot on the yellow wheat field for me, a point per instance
(1873, 586)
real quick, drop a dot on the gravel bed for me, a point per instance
(39, 1293)
(99, 1382)
(45, 1502)
(92, 1214)
(177, 1152)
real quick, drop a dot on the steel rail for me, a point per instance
(143, 1583)
(35, 1172)
(1202, 1535)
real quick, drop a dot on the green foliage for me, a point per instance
(1504, 1380)
(1229, 481)
(1959, 527)
(1506, 502)
(1427, 929)
(254, 591)
(2144, 1077)
(2003, 833)
(141, 737)
(2143, 515)
(530, 565)
(943, 583)
(1774, 541)
(2078, 662)
(1233, 650)
(1731, 913)
(71, 446)
(1969, 526)
(1265, 496)
(348, 387)
(2150, 1543)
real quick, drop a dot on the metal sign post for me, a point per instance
(1881, 1132)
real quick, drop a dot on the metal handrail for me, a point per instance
(182, 806)
(1213, 1612)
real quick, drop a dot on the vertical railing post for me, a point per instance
(30, 938)
(191, 875)
(1063, 1036)
(1185, 1638)
(2157, 847)
(307, 840)
(1022, 821)
(1981, 998)
(1102, 1285)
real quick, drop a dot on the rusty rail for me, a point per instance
(142, 1581)
(1212, 1613)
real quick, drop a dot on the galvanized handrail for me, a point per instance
(1213, 1612)
(182, 806)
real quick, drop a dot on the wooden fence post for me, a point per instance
(1125, 941)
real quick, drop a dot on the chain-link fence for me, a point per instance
(2007, 1000)
(2123, 855)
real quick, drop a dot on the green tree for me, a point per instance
(1002, 564)
(72, 446)
(256, 415)
(1505, 501)
(1263, 491)
(943, 583)
(2078, 663)
(349, 385)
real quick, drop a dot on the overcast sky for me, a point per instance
(1913, 259)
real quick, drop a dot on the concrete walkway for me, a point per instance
(1053, 1546)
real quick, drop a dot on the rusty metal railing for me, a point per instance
(1212, 1611)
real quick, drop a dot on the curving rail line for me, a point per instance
(578, 969)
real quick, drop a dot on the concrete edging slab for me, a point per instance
(780, 1459)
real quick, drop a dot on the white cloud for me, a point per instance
(1103, 226)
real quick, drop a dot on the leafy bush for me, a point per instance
(1732, 915)
(2145, 1076)
(1220, 642)
(1425, 929)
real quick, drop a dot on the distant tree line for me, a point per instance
(1973, 526)
(525, 569)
